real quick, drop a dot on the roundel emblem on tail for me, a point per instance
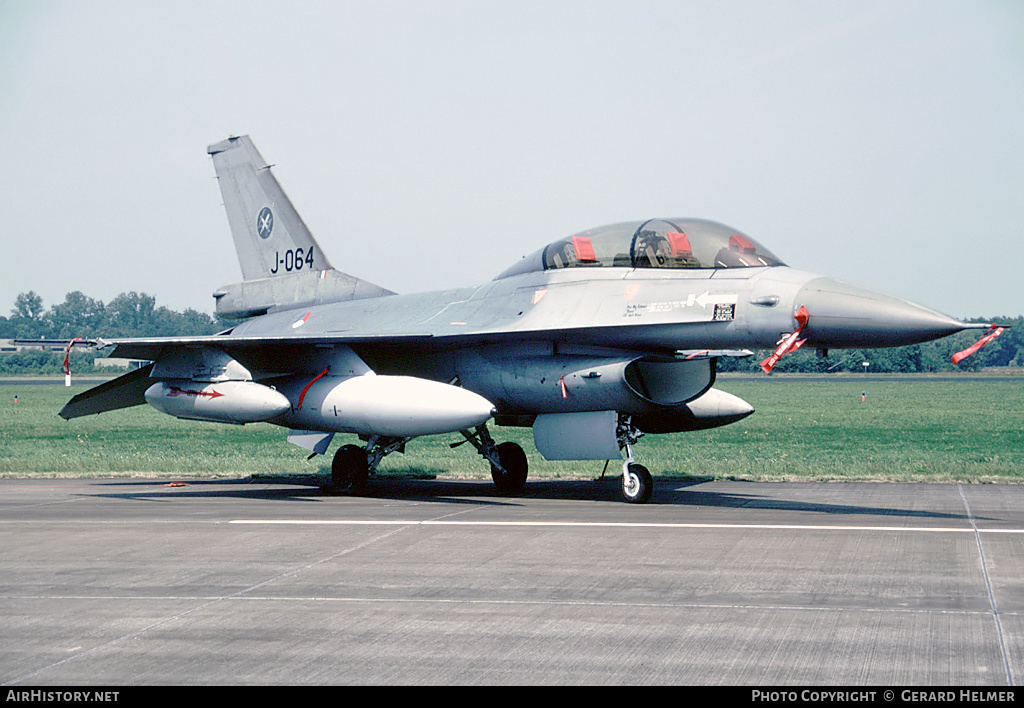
(265, 222)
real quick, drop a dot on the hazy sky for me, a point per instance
(430, 144)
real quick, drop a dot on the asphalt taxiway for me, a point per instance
(126, 582)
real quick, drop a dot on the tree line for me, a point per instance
(129, 314)
(137, 315)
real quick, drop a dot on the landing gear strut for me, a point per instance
(637, 483)
(509, 465)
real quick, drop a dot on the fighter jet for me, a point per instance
(593, 340)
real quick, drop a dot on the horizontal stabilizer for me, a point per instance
(262, 295)
(123, 392)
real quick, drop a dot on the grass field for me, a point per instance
(970, 429)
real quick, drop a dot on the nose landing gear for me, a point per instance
(637, 483)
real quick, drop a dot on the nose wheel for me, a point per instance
(637, 483)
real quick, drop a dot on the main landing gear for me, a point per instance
(353, 465)
(350, 469)
(509, 465)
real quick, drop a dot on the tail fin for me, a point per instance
(270, 236)
(282, 264)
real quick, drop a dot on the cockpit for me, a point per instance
(655, 243)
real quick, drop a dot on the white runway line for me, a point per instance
(615, 524)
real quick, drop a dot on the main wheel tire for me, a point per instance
(510, 481)
(637, 484)
(350, 468)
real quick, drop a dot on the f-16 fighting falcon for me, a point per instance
(593, 340)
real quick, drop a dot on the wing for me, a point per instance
(154, 348)
(123, 392)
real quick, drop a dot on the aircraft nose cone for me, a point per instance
(845, 315)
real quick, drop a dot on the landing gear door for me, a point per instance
(577, 436)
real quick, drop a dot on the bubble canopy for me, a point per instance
(655, 243)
